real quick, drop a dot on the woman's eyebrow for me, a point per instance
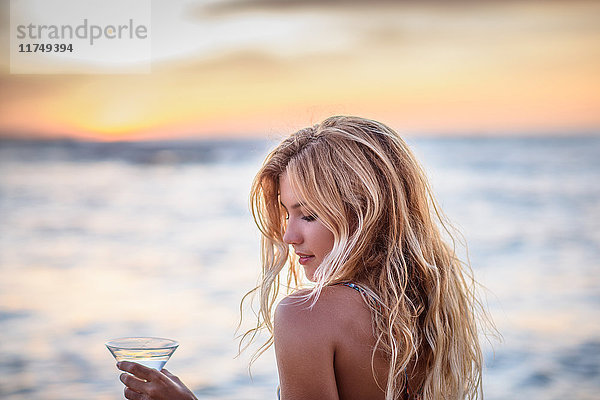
(297, 205)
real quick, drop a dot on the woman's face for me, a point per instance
(311, 240)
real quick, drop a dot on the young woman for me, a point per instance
(392, 312)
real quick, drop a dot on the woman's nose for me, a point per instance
(291, 235)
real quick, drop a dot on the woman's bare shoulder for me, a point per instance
(318, 348)
(336, 307)
(304, 348)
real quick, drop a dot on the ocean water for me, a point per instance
(104, 240)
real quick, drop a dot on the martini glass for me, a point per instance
(149, 351)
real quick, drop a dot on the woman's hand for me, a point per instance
(149, 384)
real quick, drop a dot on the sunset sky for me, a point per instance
(261, 67)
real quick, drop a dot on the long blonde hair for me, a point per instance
(365, 185)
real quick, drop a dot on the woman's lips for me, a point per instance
(304, 258)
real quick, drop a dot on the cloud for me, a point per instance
(234, 6)
(237, 6)
(227, 7)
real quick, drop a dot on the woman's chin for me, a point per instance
(309, 273)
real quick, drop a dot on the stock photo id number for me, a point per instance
(74, 37)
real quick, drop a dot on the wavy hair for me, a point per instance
(365, 185)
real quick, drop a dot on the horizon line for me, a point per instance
(534, 134)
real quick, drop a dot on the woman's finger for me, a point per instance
(137, 369)
(133, 382)
(132, 395)
(171, 376)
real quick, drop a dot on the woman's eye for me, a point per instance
(309, 218)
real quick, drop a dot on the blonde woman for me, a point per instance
(391, 313)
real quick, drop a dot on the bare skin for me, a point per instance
(149, 384)
(325, 352)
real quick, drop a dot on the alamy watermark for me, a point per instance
(73, 36)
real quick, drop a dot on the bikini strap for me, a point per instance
(369, 297)
(353, 286)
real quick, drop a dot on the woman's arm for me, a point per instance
(304, 351)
